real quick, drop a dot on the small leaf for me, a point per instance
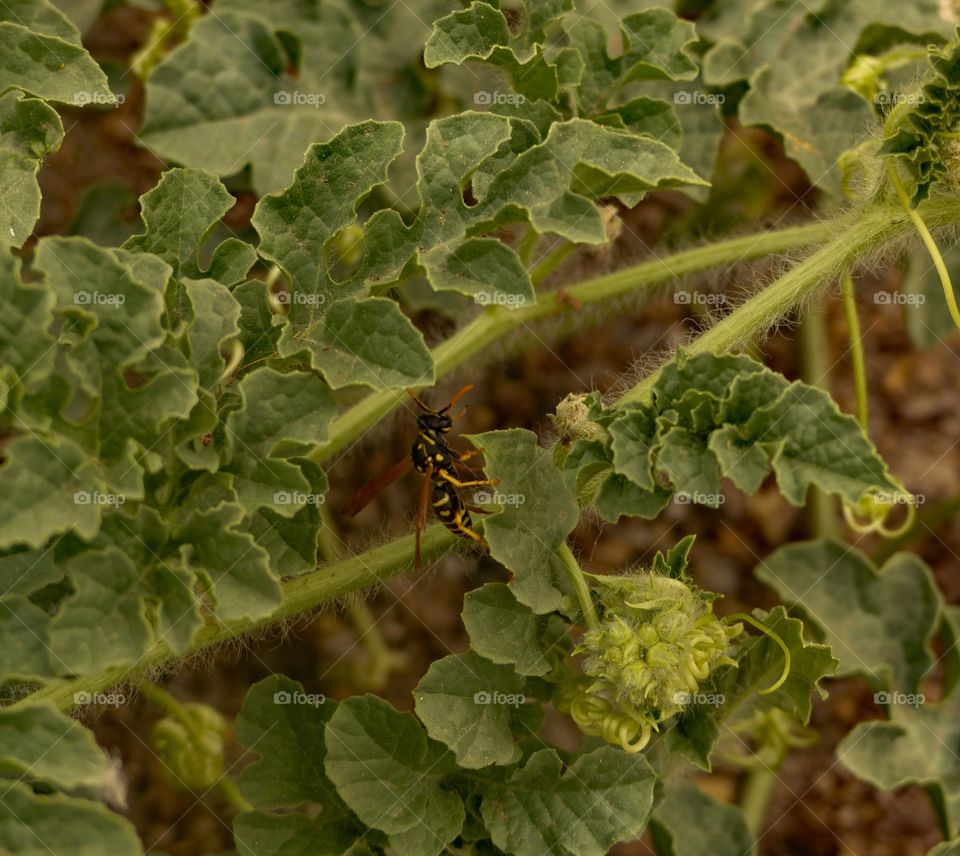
(41, 54)
(103, 623)
(278, 722)
(63, 825)
(232, 564)
(503, 630)
(688, 822)
(914, 747)
(466, 702)
(538, 514)
(40, 745)
(603, 797)
(179, 214)
(42, 480)
(29, 130)
(391, 774)
(370, 342)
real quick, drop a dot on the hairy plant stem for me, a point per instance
(857, 236)
(299, 595)
(497, 321)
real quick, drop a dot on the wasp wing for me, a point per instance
(363, 497)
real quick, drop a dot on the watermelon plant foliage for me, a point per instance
(169, 402)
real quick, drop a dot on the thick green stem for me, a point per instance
(859, 235)
(495, 322)
(300, 595)
(575, 573)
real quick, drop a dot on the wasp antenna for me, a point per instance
(422, 406)
(460, 394)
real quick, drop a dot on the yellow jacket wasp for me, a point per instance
(432, 456)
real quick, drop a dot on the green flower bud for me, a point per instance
(192, 746)
(573, 422)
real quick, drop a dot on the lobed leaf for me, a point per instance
(538, 514)
(467, 703)
(390, 774)
(877, 621)
(604, 797)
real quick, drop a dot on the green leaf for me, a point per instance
(215, 315)
(26, 345)
(371, 342)
(24, 640)
(725, 416)
(42, 746)
(391, 774)
(656, 46)
(41, 54)
(297, 225)
(286, 76)
(878, 622)
(602, 798)
(41, 482)
(505, 631)
(230, 561)
(764, 43)
(179, 214)
(104, 623)
(279, 723)
(688, 822)
(467, 703)
(260, 834)
(29, 130)
(481, 33)
(178, 615)
(62, 825)
(947, 848)
(278, 407)
(923, 135)
(538, 513)
(914, 747)
(557, 181)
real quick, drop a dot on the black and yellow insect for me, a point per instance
(431, 456)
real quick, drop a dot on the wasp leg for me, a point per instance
(444, 474)
(469, 533)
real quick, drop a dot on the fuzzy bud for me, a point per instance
(192, 746)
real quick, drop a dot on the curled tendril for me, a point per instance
(599, 717)
(875, 506)
(749, 619)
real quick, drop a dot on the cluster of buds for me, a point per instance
(192, 745)
(658, 640)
